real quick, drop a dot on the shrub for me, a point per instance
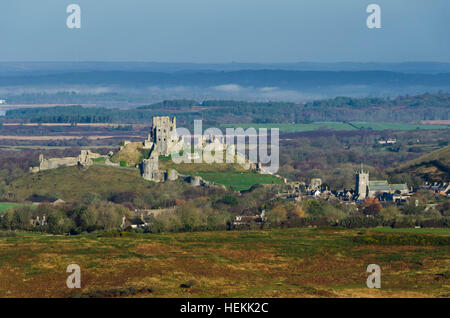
(402, 239)
(276, 216)
(113, 292)
(358, 221)
(229, 200)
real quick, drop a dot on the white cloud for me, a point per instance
(228, 88)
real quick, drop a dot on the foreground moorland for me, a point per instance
(306, 262)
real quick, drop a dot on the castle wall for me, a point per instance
(150, 167)
(54, 163)
(84, 159)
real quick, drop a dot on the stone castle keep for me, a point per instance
(164, 134)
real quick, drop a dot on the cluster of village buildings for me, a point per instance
(364, 188)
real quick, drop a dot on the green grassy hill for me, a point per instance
(238, 181)
(132, 154)
(72, 183)
(431, 167)
(226, 174)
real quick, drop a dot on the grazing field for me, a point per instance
(339, 126)
(271, 263)
(226, 174)
(132, 154)
(6, 205)
(239, 181)
(443, 231)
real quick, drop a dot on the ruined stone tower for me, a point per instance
(164, 134)
(150, 167)
(362, 184)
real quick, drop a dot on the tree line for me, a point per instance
(214, 112)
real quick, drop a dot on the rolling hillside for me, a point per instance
(433, 167)
(72, 183)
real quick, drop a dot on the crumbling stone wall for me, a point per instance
(84, 160)
(150, 167)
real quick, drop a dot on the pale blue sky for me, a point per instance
(225, 31)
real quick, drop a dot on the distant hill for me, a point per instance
(16, 68)
(245, 78)
(405, 109)
(433, 167)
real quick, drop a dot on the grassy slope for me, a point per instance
(71, 183)
(440, 231)
(239, 181)
(6, 205)
(434, 166)
(133, 154)
(220, 173)
(276, 263)
(443, 155)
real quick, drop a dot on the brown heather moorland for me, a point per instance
(306, 262)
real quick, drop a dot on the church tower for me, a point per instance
(362, 183)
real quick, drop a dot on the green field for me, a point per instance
(100, 160)
(6, 205)
(239, 181)
(301, 262)
(225, 174)
(339, 126)
(438, 231)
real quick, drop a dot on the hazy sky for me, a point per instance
(225, 31)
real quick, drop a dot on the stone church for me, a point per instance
(370, 189)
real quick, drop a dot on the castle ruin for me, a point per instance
(84, 159)
(163, 134)
(161, 140)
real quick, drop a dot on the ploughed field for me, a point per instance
(271, 263)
